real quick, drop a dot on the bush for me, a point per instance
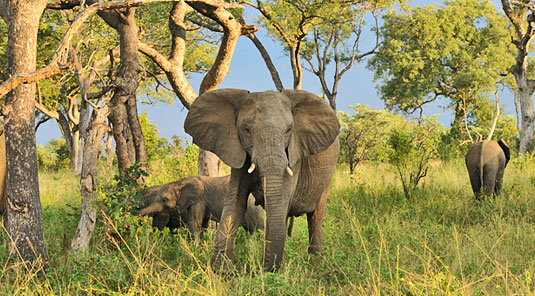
(363, 134)
(53, 156)
(413, 145)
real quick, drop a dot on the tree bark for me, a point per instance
(209, 164)
(2, 172)
(24, 213)
(129, 142)
(88, 180)
(522, 19)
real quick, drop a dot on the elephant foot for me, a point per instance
(223, 265)
(316, 250)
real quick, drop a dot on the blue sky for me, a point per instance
(248, 71)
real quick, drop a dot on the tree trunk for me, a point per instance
(2, 172)
(83, 127)
(127, 83)
(24, 214)
(137, 133)
(88, 180)
(121, 135)
(209, 164)
(297, 68)
(109, 149)
(528, 120)
(457, 125)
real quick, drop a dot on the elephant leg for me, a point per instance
(195, 218)
(206, 220)
(489, 180)
(160, 221)
(475, 181)
(315, 221)
(498, 184)
(231, 219)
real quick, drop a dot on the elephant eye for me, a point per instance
(247, 129)
(289, 129)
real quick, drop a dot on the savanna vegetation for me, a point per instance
(401, 218)
(377, 241)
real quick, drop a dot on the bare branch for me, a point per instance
(495, 120)
(267, 59)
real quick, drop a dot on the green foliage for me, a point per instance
(179, 162)
(118, 200)
(457, 50)
(363, 135)
(53, 156)
(440, 242)
(156, 146)
(201, 48)
(413, 146)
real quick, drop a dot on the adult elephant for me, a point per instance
(486, 161)
(282, 147)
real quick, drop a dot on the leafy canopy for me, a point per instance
(458, 50)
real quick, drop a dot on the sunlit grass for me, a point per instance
(376, 242)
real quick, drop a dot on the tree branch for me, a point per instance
(60, 59)
(267, 59)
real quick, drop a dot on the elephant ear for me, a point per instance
(188, 192)
(211, 121)
(315, 125)
(505, 149)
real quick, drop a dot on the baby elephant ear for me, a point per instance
(315, 125)
(211, 121)
(187, 192)
(505, 149)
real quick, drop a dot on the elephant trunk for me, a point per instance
(272, 163)
(151, 209)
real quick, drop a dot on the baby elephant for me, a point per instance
(193, 202)
(485, 162)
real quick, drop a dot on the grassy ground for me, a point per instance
(440, 242)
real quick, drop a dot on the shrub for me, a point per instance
(413, 145)
(54, 155)
(363, 134)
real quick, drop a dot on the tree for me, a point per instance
(458, 51)
(521, 14)
(321, 33)
(413, 145)
(173, 66)
(24, 214)
(336, 40)
(361, 132)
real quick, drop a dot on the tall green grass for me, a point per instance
(376, 242)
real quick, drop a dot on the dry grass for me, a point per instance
(440, 242)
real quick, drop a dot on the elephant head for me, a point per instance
(266, 132)
(161, 201)
(273, 129)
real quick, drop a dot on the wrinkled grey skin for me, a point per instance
(192, 202)
(486, 161)
(281, 133)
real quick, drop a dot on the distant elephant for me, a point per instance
(486, 161)
(192, 202)
(282, 147)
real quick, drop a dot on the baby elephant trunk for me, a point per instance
(151, 210)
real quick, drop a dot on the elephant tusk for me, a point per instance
(251, 168)
(289, 171)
